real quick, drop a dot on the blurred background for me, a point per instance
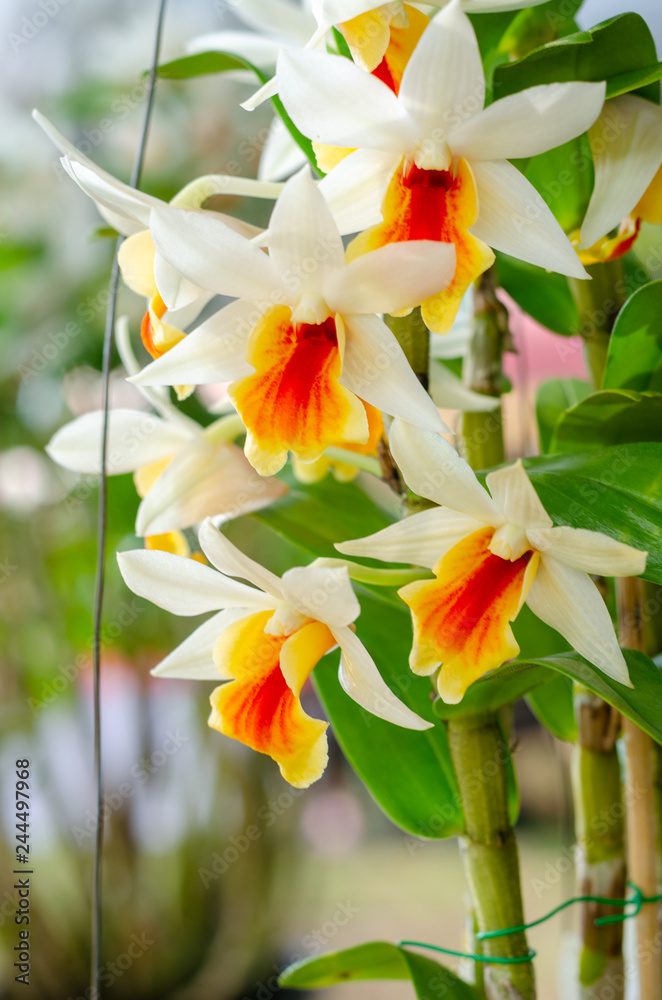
(193, 906)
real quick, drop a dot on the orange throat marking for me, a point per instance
(438, 205)
(462, 619)
(294, 400)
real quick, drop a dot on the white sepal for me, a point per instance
(184, 586)
(193, 659)
(362, 681)
(590, 551)
(568, 600)
(322, 593)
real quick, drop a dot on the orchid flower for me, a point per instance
(380, 37)
(436, 157)
(265, 642)
(302, 343)
(128, 211)
(489, 555)
(626, 143)
(183, 472)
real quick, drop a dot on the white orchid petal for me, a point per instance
(395, 277)
(513, 218)
(450, 393)
(127, 205)
(590, 551)
(214, 352)
(280, 156)
(376, 369)
(529, 122)
(184, 586)
(322, 593)
(444, 80)
(204, 480)
(332, 101)
(212, 255)
(135, 438)
(362, 681)
(176, 291)
(277, 17)
(193, 659)
(356, 187)
(304, 242)
(626, 142)
(514, 494)
(433, 469)
(568, 600)
(233, 562)
(420, 539)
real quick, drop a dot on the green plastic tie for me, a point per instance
(636, 901)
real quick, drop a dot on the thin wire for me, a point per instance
(637, 900)
(102, 523)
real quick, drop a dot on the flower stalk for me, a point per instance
(480, 757)
(641, 773)
(483, 431)
(479, 752)
(596, 771)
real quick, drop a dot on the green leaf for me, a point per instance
(619, 46)
(205, 63)
(535, 26)
(553, 706)
(545, 297)
(617, 490)
(639, 703)
(377, 960)
(635, 79)
(634, 360)
(409, 773)
(502, 687)
(608, 417)
(554, 398)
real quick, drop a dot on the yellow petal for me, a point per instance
(432, 205)
(146, 477)
(294, 401)
(136, 260)
(610, 247)
(171, 541)
(258, 708)
(462, 619)
(650, 206)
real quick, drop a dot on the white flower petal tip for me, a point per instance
(230, 560)
(361, 680)
(184, 586)
(433, 469)
(515, 495)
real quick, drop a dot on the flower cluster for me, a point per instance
(416, 169)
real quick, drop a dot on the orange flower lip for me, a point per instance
(294, 400)
(462, 619)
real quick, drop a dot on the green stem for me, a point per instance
(599, 828)
(482, 372)
(596, 770)
(480, 757)
(413, 337)
(598, 302)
